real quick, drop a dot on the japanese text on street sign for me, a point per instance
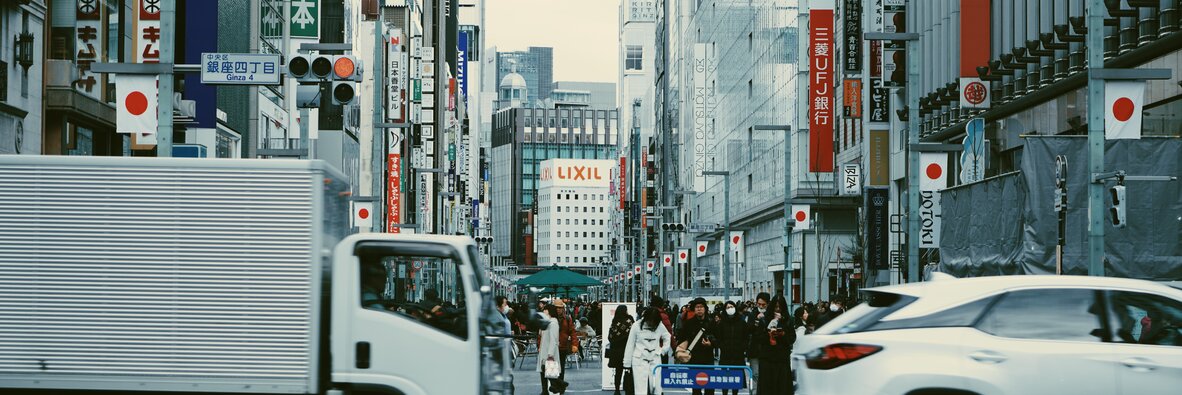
(305, 18)
(239, 69)
(678, 377)
(821, 90)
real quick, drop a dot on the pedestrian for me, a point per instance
(568, 338)
(548, 349)
(757, 321)
(697, 339)
(586, 333)
(800, 321)
(732, 339)
(617, 342)
(660, 304)
(647, 342)
(776, 374)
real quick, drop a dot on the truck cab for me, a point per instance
(411, 315)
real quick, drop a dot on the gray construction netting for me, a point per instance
(1008, 225)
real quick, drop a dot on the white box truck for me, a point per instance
(227, 276)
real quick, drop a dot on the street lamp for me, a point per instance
(789, 222)
(912, 89)
(726, 227)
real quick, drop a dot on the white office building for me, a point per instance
(574, 212)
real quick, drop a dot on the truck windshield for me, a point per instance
(427, 289)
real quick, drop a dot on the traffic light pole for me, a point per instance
(1095, 41)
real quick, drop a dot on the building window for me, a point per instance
(634, 58)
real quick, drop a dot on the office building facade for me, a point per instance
(575, 207)
(522, 138)
(536, 65)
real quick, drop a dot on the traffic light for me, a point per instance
(1118, 211)
(484, 239)
(706, 282)
(673, 227)
(298, 67)
(324, 68)
(342, 92)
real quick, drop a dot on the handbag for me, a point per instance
(551, 369)
(627, 382)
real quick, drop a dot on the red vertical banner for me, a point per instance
(394, 193)
(974, 36)
(821, 97)
(623, 178)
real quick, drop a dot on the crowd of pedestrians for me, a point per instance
(758, 334)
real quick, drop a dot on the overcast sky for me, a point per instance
(583, 33)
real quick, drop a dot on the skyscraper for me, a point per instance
(536, 65)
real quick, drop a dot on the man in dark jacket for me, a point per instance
(701, 352)
(757, 321)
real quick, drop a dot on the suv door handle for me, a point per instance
(1139, 364)
(988, 357)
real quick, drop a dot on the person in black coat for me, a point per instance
(775, 374)
(617, 337)
(732, 334)
(757, 320)
(700, 352)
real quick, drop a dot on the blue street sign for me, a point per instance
(239, 69)
(695, 377)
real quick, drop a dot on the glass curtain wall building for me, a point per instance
(522, 139)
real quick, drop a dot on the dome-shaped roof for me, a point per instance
(513, 80)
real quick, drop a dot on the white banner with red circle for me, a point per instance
(932, 178)
(136, 102)
(1123, 102)
(803, 216)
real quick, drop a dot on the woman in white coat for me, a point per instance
(548, 345)
(647, 342)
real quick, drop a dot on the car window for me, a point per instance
(962, 315)
(1143, 318)
(426, 289)
(878, 304)
(1047, 314)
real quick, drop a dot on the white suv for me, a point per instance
(1000, 335)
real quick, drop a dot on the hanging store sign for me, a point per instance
(396, 76)
(851, 106)
(393, 192)
(879, 159)
(305, 18)
(933, 177)
(88, 40)
(880, 102)
(878, 250)
(894, 70)
(851, 53)
(821, 98)
(703, 112)
(851, 179)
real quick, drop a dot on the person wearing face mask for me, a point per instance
(733, 340)
(757, 321)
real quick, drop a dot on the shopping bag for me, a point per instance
(551, 368)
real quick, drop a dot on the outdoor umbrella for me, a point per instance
(559, 278)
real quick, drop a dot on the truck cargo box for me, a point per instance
(165, 274)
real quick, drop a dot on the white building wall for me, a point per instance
(23, 135)
(637, 27)
(575, 209)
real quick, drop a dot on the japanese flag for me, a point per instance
(702, 247)
(683, 256)
(803, 215)
(1123, 102)
(136, 103)
(737, 243)
(667, 260)
(649, 264)
(363, 216)
(933, 171)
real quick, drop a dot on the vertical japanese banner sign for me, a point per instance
(147, 44)
(623, 177)
(821, 87)
(852, 52)
(974, 52)
(396, 76)
(88, 39)
(393, 181)
(933, 177)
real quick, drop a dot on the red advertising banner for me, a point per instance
(393, 193)
(852, 104)
(821, 99)
(974, 36)
(623, 177)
